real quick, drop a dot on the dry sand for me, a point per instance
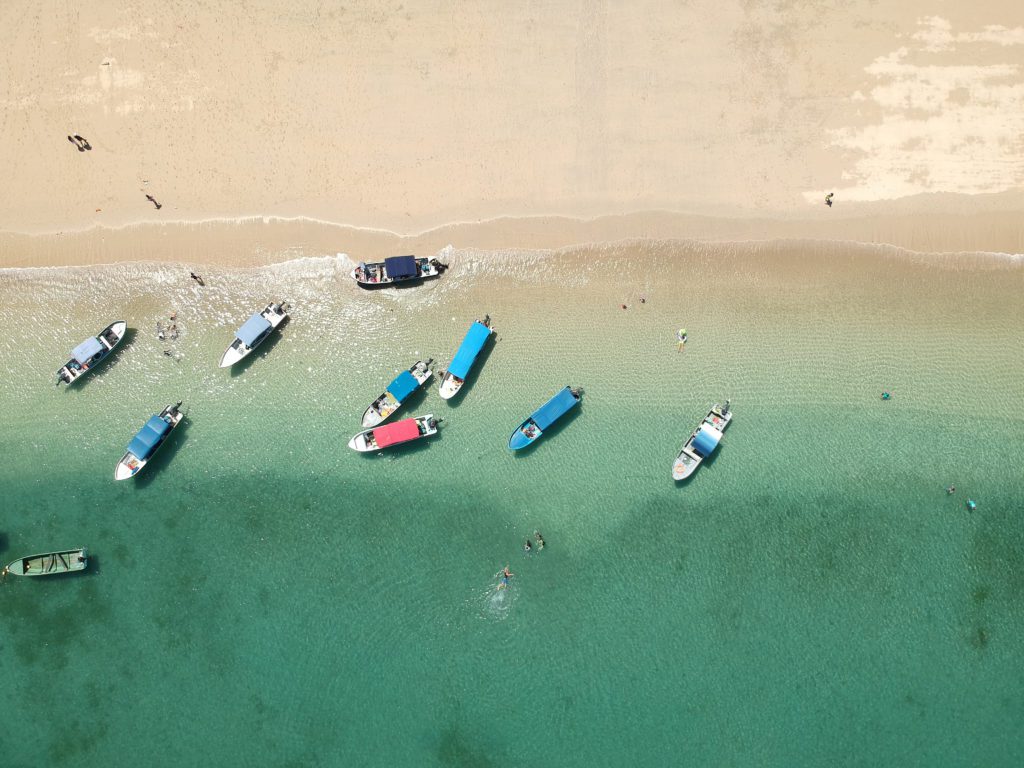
(505, 125)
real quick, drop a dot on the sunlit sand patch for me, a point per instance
(945, 125)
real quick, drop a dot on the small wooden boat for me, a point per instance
(400, 432)
(146, 442)
(396, 269)
(477, 335)
(254, 332)
(530, 430)
(46, 565)
(91, 352)
(396, 392)
(703, 442)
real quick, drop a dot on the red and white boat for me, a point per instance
(403, 431)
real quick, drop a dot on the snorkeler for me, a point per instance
(540, 540)
(527, 546)
(951, 490)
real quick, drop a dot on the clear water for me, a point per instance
(264, 595)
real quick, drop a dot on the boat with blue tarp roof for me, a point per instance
(477, 335)
(403, 385)
(396, 269)
(530, 430)
(703, 442)
(92, 352)
(254, 332)
(147, 440)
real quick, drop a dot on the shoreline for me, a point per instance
(265, 240)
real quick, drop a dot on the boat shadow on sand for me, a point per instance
(260, 352)
(553, 431)
(162, 457)
(130, 334)
(474, 372)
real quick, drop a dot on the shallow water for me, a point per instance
(262, 594)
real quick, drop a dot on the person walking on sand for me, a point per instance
(72, 140)
(83, 142)
(196, 277)
(154, 202)
(828, 199)
(681, 339)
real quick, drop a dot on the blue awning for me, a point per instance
(401, 267)
(87, 350)
(553, 409)
(706, 440)
(252, 329)
(149, 437)
(403, 386)
(468, 350)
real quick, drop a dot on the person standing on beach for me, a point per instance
(828, 199)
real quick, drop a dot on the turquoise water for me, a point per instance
(263, 595)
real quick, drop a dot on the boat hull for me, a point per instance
(49, 563)
(130, 465)
(375, 274)
(111, 337)
(237, 350)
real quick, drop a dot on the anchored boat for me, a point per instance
(254, 332)
(477, 335)
(396, 269)
(703, 442)
(48, 564)
(400, 432)
(146, 442)
(530, 430)
(91, 352)
(396, 392)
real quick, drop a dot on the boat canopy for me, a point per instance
(399, 432)
(403, 386)
(548, 413)
(149, 437)
(252, 329)
(401, 267)
(706, 440)
(470, 347)
(87, 350)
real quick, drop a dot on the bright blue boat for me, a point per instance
(146, 442)
(403, 385)
(455, 376)
(530, 430)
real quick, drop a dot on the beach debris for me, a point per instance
(154, 202)
(828, 199)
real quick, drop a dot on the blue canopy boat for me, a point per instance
(396, 269)
(403, 385)
(146, 442)
(455, 376)
(254, 332)
(92, 352)
(703, 442)
(530, 430)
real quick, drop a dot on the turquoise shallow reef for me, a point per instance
(262, 595)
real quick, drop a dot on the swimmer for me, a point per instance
(540, 540)
(506, 573)
(951, 490)
(527, 546)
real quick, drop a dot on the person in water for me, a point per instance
(527, 546)
(951, 490)
(540, 540)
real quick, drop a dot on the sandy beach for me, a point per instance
(507, 125)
